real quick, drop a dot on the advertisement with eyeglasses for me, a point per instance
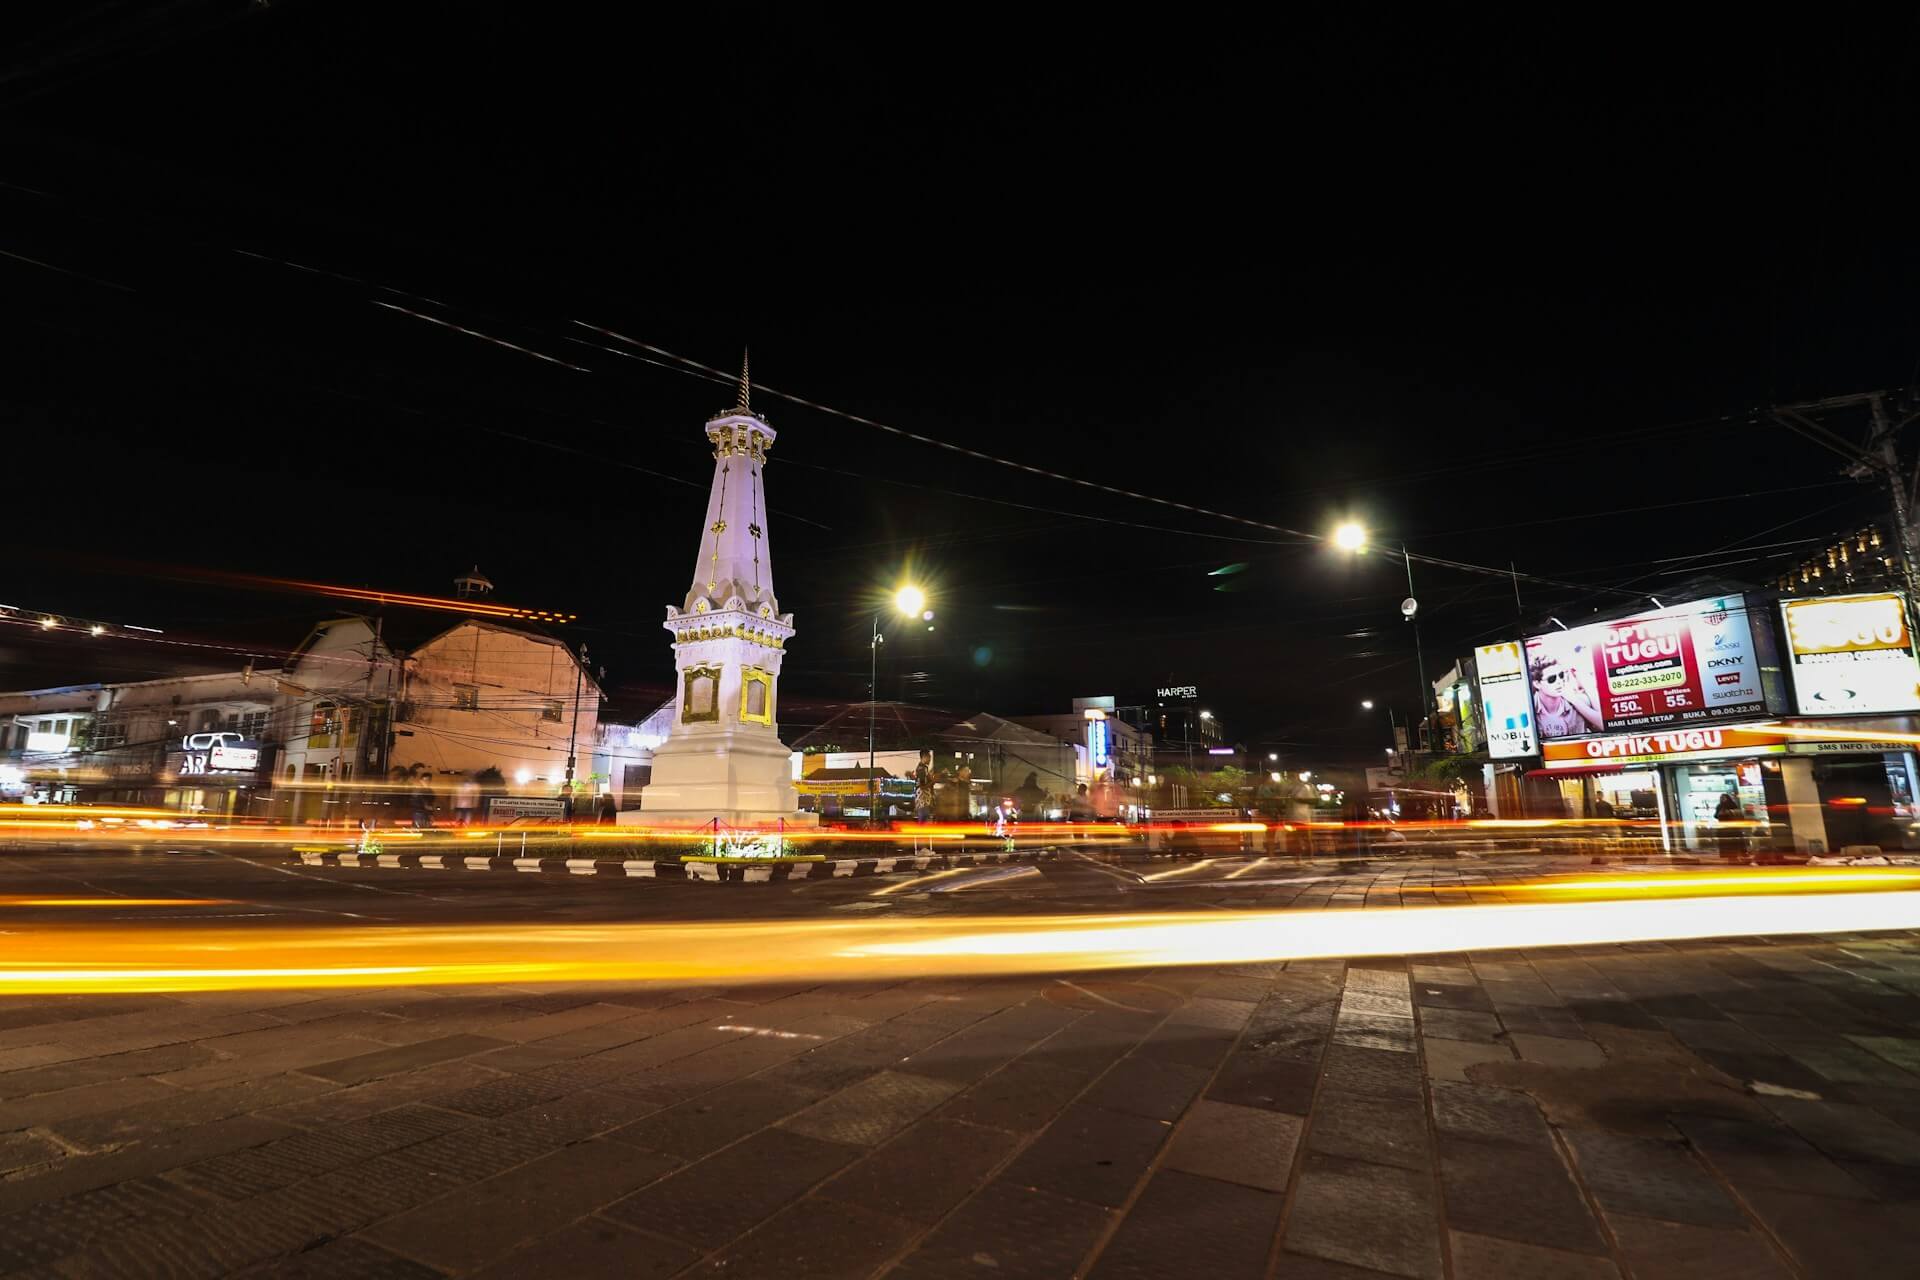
(1692, 663)
(1852, 654)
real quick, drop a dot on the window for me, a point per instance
(700, 695)
(207, 721)
(322, 720)
(108, 734)
(756, 696)
(466, 697)
(550, 711)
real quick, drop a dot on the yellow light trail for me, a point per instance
(23, 900)
(73, 958)
(1181, 871)
(1255, 865)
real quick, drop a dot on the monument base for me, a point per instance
(743, 779)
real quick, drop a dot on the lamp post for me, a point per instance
(579, 673)
(1351, 536)
(908, 601)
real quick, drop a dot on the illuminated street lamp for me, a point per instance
(910, 602)
(1366, 704)
(1352, 537)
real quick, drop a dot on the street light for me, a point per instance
(1366, 704)
(1350, 536)
(910, 602)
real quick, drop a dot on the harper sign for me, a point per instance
(1178, 691)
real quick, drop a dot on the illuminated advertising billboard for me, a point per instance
(1852, 654)
(1506, 701)
(1691, 663)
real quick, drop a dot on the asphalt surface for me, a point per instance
(1746, 1107)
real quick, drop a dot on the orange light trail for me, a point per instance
(72, 959)
(23, 900)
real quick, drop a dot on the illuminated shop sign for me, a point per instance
(208, 753)
(1186, 691)
(1682, 664)
(1852, 654)
(1667, 744)
(1506, 702)
(1099, 742)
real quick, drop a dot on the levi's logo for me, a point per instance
(1727, 677)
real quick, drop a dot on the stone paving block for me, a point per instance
(868, 1113)
(1433, 995)
(1839, 1238)
(1901, 1052)
(1380, 1130)
(1716, 1034)
(1656, 1250)
(1486, 1114)
(814, 1240)
(1519, 1193)
(352, 1103)
(1090, 1154)
(1649, 1178)
(498, 1096)
(1252, 1078)
(1449, 1059)
(1021, 1097)
(1376, 1071)
(1614, 1013)
(1374, 1031)
(1557, 1052)
(1187, 1225)
(718, 1198)
(387, 1062)
(1541, 1021)
(966, 1056)
(1193, 1044)
(169, 1151)
(1225, 986)
(39, 1234)
(925, 1171)
(1365, 1215)
(220, 1240)
(693, 1129)
(592, 1247)
(65, 1104)
(1146, 1087)
(1848, 1132)
(1390, 1004)
(71, 1073)
(1747, 1154)
(181, 1110)
(1491, 1258)
(1095, 1042)
(1843, 1062)
(1009, 1232)
(1461, 1024)
(23, 1150)
(344, 1259)
(486, 1221)
(1248, 1145)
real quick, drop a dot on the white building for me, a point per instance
(481, 694)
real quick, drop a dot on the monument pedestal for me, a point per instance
(741, 777)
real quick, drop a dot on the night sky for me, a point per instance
(1506, 292)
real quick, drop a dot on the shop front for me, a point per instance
(1775, 787)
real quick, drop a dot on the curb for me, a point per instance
(745, 871)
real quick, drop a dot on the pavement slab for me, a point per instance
(1184, 1224)
(1366, 1215)
(1009, 1232)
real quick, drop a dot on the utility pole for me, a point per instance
(579, 673)
(1878, 457)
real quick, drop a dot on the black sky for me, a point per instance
(1507, 291)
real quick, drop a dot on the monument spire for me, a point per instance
(745, 403)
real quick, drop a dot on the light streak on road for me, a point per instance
(158, 956)
(26, 900)
(1249, 869)
(1187, 870)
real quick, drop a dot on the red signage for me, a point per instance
(1668, 744)
(1687, 664)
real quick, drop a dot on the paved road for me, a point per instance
(1746, 1108)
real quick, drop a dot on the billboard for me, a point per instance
(1506, 701)
(1692, 663)
(1852, 654)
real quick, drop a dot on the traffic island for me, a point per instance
(708, 869)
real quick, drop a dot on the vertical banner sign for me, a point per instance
(1852, 654)
(1685, 664)
(1505, 702)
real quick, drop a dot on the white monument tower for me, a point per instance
(723, 757)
